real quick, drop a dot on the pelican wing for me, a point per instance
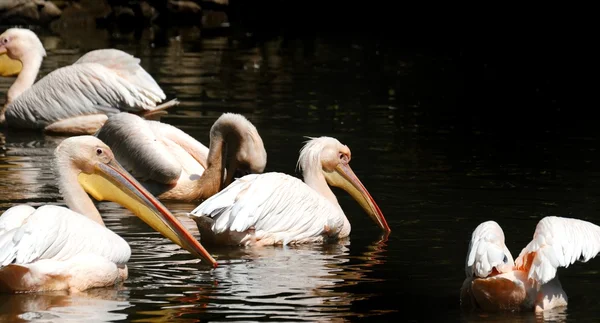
(276, 203)
(558, 242)
(487, 251)
(54, 232)
(14, 217)
(76, 90)
(126, 66)
(151, 150)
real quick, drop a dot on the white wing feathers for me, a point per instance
(559, 242)
(75, 90)
(14, 217)
(139, 149)
(54, 232)
(487, 251)
(126, 66)
(150, 150)
(272, 203)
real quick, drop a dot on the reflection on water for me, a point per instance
(96, 305)
(436, 169)
(25, 164)
(553, 315)
(292, 283)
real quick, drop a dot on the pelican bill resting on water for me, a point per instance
(173, 165)
(58, 248)
(78, 98)
(279, 209)
(494, 282)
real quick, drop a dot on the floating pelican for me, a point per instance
(275, 208)
(494, 282)
(58, 248)
(174, 166)
(8, 66)
(75, 99)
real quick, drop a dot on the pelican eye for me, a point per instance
(98, 151)
(505, 259)
(4, 40)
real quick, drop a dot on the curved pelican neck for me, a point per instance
(225, 138)
(314, 178)
(74, 195)
(31, 66)
(211, 180)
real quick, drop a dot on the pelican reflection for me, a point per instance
(300, 282)
(94, 305)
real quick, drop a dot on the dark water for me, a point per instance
(443, 140)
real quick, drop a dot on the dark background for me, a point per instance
(514, 84)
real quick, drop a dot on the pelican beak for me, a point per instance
(113, 183)
(344, 178)
(9, 66)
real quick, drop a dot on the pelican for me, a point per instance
(58, 248)
(9, 67)
(174, 166)
(279, 209)
(530, 283)
(78, 98)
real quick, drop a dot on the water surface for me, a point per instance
(436, 167)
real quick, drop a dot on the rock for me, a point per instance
(221, 2)
(121, 12)
(77, 25)
(183, 7)
(28, 11)
(148, 12)
(214, 19)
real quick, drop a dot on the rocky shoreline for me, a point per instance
(123, 12)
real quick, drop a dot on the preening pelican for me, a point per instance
(75, 99)
(494, 282)
(174, 166)
(8, 66)
(275, 208)
(58, 248)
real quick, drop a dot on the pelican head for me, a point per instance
(246, 151)
(18, 43)
(25, 53)
(332, 158)
(101, 176)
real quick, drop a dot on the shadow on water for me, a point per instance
(424, 142)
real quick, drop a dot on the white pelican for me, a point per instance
(174, 166)
(75, 99)
(275, 208)
(58, 248)
(494, 282)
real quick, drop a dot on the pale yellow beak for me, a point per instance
(9, 66)
(344, 178)
(113, 183)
